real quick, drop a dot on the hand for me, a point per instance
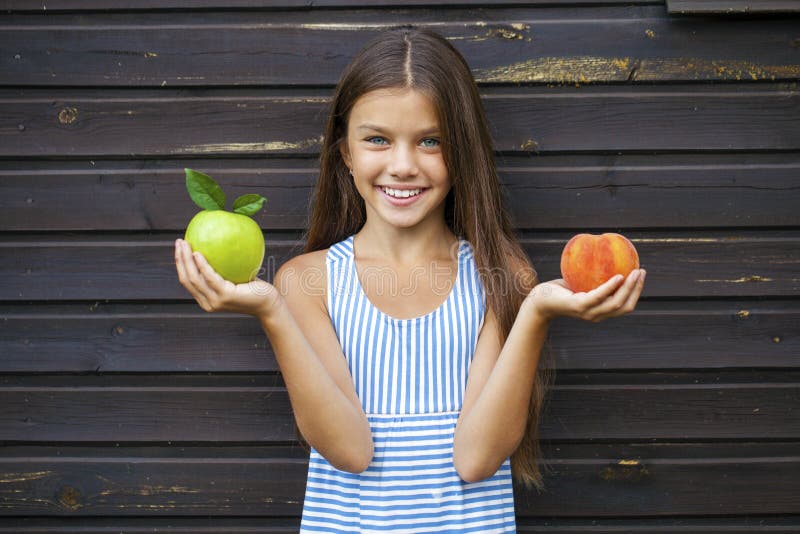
(611, 299)
(213, 293)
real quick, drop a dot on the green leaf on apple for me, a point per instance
(204, 191)
(248, 204)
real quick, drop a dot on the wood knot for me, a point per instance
(70, 498)
(625, 471)
(68, 115)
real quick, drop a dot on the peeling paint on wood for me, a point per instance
(744, 279)
(350, 27)
(584, 69)
(625, 470)
(249, 147)
(557, 69)
(7, 478)
(710, 69)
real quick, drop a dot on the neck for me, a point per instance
(405, 245)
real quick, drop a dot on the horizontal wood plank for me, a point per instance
(543, 193)
(695, 407)
(142, 267)
(176, 338)
(553, 44)
(585, 481)
(50, 6)
(117, 123)
(265, 525)
(729, 7)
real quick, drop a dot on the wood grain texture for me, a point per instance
(731, 7)
(112, 123)
(128, 409)
(553, 44)
(100, 338)
(542, 192)
(613, 482)
(184, 409)
(155, 5)
(93, 267)
(223, 525)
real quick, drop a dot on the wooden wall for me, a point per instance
(126, 408)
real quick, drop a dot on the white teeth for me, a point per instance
(401, 193)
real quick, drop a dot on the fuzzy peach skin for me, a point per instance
(589, 260)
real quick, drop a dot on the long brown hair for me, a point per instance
(422, 60)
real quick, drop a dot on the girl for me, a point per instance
(409, 333)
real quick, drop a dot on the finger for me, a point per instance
(601, 293)
(179, 266)
(214, 280)
(195, 281)
(615, 305)
(633, 298)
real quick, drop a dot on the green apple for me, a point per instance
(231, 242)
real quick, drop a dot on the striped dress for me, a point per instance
(410, 375)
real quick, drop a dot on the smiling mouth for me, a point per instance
(401, 193)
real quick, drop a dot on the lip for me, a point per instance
(401, 201)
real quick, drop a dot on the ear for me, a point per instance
(344, 150)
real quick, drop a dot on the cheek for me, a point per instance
(440, 169)
(367, 159)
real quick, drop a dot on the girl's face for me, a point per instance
(393, 148)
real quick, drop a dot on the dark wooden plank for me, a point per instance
(96, 268)
(212, 524)
(266, 525)
(545, 192)
(695, 406)
(153, 487)
(742, 524)
(127, 5)
(175, 338)
(142, 414)
(727, 7)
(149, 339)
(141, 195)
(551, 44)
(588, 481)
(88, 124)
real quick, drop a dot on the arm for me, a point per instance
(499, 387)
(315, 372)
(495, 410)
(314, 369)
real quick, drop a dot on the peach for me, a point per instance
(590, 260)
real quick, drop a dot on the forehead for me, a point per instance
(394, 108)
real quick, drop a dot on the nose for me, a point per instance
(403, 161)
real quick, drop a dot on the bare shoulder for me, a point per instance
(303, 276)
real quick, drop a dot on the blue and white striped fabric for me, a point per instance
(410, 375)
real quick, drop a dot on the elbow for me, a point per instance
(471, 472)
(474, 464)
(475, 468)
(357, 459)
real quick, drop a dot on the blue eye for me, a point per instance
(430, 142)
(376, 140)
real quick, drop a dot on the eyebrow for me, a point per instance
(375, 127)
